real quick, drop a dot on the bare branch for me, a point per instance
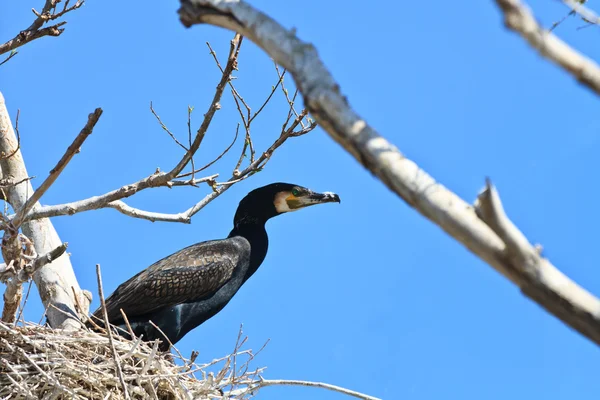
(282, 382)
(518, 18)
(162, 125)
(11, 55)
(148, 215)
(55, 281)
(214, 106)
(324, 100)
(254, 167)
(60, 166)
(15, 275)
(34, 31)
(208, 165)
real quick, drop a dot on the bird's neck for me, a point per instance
(255, 233)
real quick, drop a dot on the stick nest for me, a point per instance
(37, 362)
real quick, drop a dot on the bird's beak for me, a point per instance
(310, 199)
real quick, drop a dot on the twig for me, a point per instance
(214, 106)
(189, 125)
(60, 166)
(162, 125)
(167, 338)
(11, 55)
(109, 333)
(282, 382)
(279, 81)
(127, 323)
(34, 32)
(257, 165)
(213, 161)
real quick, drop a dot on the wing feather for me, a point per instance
(188, 275)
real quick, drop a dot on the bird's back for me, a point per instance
(189, 275)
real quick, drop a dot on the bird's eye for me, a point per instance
(295, 192)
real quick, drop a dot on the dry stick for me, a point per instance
(214, 106)
(323, 97)
(167, 338)
(280, 382)
(34, 32)
(109, 332)
(269, 97)
(189, 125)
(60, 166)
(162, 125)
(212, 162)
(11, 55)
(127, 323)
(255, 166)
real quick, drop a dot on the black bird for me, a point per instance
(185, 289)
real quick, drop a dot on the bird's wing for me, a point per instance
(188, 275)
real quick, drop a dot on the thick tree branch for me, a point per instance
(323, 98)
(55, 281)
(519, 18)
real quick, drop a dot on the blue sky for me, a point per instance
(367, 294)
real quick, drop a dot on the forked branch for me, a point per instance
(35, 31)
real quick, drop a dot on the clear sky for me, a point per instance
(366, 294)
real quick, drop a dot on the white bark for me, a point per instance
(56, 282)
(536, 277)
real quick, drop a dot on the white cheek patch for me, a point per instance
(281, 204)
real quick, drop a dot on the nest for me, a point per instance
(37, 362)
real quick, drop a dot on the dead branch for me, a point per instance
(60, 166)
(35, 31)
(15, 275)
(323, 98)
(519, 18)
(55, 281)
(158, 179)
(284, 382)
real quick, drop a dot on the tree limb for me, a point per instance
(284, 382)
(14, 277)
(519, 18)
(55, 281)
(330, 108)
(34, 31)
(60, 166)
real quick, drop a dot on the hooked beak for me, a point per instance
(310, 199)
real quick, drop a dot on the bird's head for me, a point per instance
(278, 198)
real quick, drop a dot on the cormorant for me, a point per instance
(185, 289)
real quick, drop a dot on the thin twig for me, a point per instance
(164, 127)
(60, 166)
(283, 382)
(11, 55)
(213, 161)
(273, 89)
(109, 333)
